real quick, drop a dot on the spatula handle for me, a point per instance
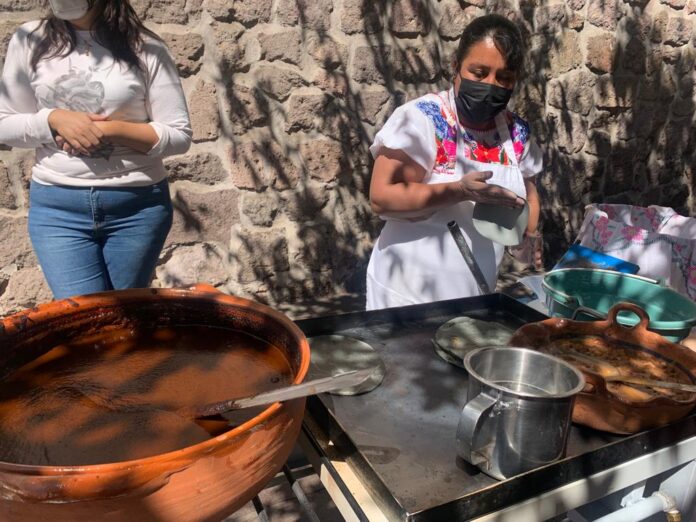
(285, 393)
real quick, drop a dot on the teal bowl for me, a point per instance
(588, 293)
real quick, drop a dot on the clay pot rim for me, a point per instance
(183, 455)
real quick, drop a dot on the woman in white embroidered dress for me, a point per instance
(435, 158)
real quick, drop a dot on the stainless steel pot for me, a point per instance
(518, 409)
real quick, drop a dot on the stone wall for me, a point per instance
(286, 95)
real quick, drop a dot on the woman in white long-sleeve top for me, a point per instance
(99, 98)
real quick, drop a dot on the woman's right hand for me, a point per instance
(475, 188)
(77, 129)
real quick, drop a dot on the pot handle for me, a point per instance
(628, 307)
(203, 287)
(470, 423)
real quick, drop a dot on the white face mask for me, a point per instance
(69, 9)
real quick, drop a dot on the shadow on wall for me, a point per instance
(616, 125)
(611, 109)
(299, 145)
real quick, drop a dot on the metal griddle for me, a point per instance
(400, 438)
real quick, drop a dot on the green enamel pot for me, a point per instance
(588, 294)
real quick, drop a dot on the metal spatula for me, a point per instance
(286, 393)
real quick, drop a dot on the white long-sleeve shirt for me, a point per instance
(90, 80)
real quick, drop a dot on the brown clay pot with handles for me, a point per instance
(597, 406)
(203, 482)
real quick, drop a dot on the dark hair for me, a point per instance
(117, 27)
(504, 33)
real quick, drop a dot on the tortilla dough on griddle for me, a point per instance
(458, 336)
(334, 354)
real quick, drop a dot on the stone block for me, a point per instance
(409, 18)
(248, 108)
(674, 4)
(369, 64)
(205, 115)
(454, 19)
(416, 64)
(573, 92)
(257, 166)
(315, 252)
(260, 208)
(691, 7)
(229, 53)
(683, 108)
(15, 246)
(162, 11)
(564, 56)
(190, 264)
(678, 31)
(206, 217)
(7, 29)
(21, 5)
(613, 92)
(7, 198)
(203, 167)
(284, 45)
(259, 255)
(325, 159)
(333, 82)
(659, 26)
(647, 119)
(278, 82)
(362, 16)
(576, 5)
(567, 131)
(373, 102)
(601, 53)
(308, 14)
(246, 12)
(598, 143)
(624, 172)
(633, 56)
(327, 52)
(603, 13)
(550, 18)
(305, 202)
(187, 50)
(306, 109)
(26, 288)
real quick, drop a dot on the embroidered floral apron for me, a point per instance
(418, 261)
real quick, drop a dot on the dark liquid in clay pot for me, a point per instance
(109, 398)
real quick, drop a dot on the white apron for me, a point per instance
(419, 262)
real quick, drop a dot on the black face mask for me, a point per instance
(479, 102)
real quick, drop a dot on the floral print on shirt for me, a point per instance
(446, 139)
(614, 229)
(445, 136)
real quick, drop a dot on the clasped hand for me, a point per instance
(475, 188)
(78, 132)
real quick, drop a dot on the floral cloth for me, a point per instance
(446, 138)
(660, 241)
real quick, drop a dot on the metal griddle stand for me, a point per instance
(358, 496)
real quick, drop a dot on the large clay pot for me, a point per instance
(597, 406)
(206, 481)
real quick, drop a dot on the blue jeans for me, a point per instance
(91, 239)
